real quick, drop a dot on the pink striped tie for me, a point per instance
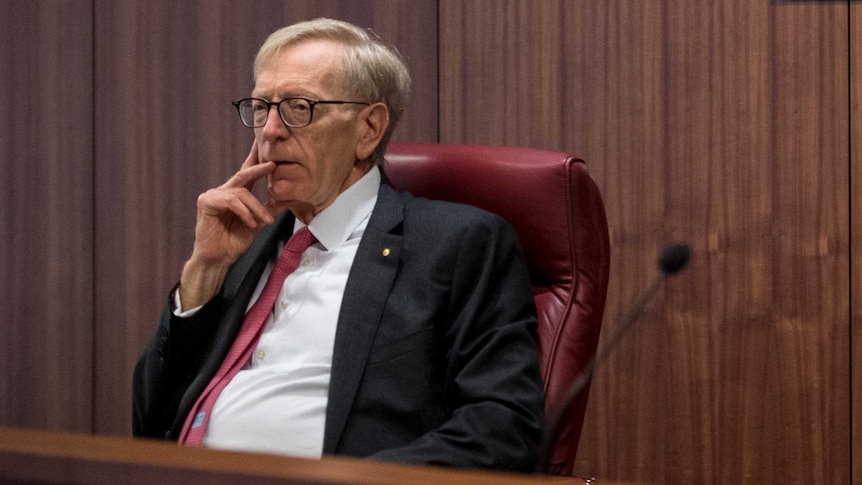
(245, 342)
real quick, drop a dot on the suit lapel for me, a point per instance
(368, 287)
(261, 251)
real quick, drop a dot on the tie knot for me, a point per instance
(300, 241)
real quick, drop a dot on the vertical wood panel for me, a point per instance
(811, 135)
(856, 234)
(46, 219)
(166, 131)
(723, 123)
(720, 123)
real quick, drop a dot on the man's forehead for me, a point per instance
(308, 65)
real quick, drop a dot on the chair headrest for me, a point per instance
(534, 190)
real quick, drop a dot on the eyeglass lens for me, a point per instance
(295, 112)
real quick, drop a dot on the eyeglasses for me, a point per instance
(294, 112)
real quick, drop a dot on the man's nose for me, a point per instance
(274, 126)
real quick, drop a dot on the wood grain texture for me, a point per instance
(166, 131)
(856, 235)
(724, 124)
(35, 456)
(46, 221)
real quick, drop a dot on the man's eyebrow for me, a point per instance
(282, 94)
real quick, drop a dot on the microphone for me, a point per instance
(673, 259)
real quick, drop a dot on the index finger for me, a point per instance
(250, 171)
(251, 159)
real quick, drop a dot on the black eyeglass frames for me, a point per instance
(294, 112)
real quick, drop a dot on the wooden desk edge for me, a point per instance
(39, 456)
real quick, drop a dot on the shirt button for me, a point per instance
(261, 354)
(306, 263)
(284, 304)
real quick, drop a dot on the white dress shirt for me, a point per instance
(277, 402)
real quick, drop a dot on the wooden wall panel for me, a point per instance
(723, 124)
(166, 131)
(46, 220)
(856, 234)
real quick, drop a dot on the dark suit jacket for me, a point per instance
(434, 362)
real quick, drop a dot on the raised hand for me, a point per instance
(228, 219)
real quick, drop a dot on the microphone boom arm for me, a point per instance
(672, 260)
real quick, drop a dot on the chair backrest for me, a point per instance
(556, 209)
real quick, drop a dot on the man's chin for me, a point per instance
(281, 191)
(281, 188)
(281, 197)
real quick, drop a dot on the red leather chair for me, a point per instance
(557, 211)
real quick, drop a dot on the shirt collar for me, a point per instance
(333, 226)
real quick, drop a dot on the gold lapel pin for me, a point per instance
(386, 252)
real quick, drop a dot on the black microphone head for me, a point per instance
(674, 258)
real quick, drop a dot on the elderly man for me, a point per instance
(340, 316)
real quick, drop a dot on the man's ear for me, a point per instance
(371, 125)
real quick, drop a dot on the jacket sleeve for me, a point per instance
(168, 366)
